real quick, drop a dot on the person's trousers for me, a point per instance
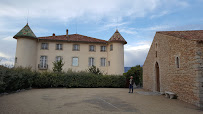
(131, 88)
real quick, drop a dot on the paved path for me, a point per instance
(92, 100)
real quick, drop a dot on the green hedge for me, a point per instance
(12, 79)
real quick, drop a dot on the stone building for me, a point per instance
(77, 51)
(175, 64)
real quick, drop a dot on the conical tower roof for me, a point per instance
(25, 32)
(117, 38)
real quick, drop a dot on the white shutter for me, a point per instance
(75, 61)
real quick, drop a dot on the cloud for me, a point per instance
(6, 59)
(106, 14)
(83, 10)
(4, 55)
(68, 9)
(155, 28)
(112, 25)
(136, 54)
(9, 38)
(6, 62)
(159, 15)
(128, 30)
(7, 50)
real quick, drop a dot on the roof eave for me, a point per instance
(74, 41)
(124, 42)
(16, 37)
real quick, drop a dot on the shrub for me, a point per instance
(136, 72)
(58, 66)
(12, 79)
(77, 79)
(93, 69)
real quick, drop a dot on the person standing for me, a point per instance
(131, 82)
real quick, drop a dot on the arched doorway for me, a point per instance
(157, 77)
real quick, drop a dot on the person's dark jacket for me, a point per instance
(132, 81)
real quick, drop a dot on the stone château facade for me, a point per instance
(175, 63)
(77, 51)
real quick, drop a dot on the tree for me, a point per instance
(58, 65)
(136, 72)
(93, 69)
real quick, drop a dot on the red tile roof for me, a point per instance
(117, 38)
(190, 35)
(74, 38)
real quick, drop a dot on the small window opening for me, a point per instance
(156, 53)
(111, 47)
(16, 59)
(177, 62)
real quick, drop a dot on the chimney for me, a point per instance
(66, 32)
(53, 34)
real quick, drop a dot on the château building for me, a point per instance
(78, 52)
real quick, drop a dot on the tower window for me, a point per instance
(16, 59)
(177, 62)
(111, 47)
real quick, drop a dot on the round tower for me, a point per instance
(116, 54)
(26, 50)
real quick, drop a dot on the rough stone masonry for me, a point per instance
(175, 63)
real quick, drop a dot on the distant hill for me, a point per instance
(126, 69)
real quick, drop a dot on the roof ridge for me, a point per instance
(180, 31)
(75, 34)
(196, 35)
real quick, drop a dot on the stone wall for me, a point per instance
(199, 71)
(149, 70)
(183, 80)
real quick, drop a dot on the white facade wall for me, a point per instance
(67, 54)
(26, 53)
(116, 58)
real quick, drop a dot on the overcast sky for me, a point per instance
(136, 20)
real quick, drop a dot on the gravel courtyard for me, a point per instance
(92, 100)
